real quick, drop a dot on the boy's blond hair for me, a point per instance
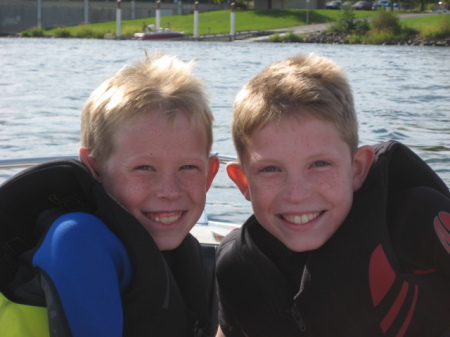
(301, 85)
(158, 84)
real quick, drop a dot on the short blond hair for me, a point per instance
(160, 83)
(305, 84)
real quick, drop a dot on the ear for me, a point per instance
(87, 160)
(362, 163)
(236, 174)
(213, 168)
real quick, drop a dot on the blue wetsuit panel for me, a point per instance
(90, 268)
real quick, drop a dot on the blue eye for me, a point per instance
(188, 167)
(269, 169)
(144, 168)
(321, 163)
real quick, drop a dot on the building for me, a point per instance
(289, 4)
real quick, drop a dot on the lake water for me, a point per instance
(401, 93)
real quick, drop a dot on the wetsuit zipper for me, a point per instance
(197, 330)
(299, 320)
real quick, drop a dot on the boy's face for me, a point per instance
(300, 177)
(160, 171)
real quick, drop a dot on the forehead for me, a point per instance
(293, 135)
(157, 132)
(153, 122)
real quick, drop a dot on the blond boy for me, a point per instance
(114, 256)
(325, 253)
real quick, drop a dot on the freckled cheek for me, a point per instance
(330, 182)
(324, 186)
(337, 193)
(133, 197)
(130, 192)
(194, 185)
(196, 190)
(264, 192)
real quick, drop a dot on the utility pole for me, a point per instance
(307, 11)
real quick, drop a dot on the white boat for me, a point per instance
(159, 35)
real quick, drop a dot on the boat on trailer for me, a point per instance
(159, 35)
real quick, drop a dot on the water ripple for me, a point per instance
(400, 93)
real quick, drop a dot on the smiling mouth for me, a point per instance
(300, 219)
(165, 218)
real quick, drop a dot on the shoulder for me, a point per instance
(419, 223)
(229, 242)
(230, 238)
(78, 221)
(238, 239)
(229, 259)
(417, 206)
(82, 235)
(236, 248)
(82, 228)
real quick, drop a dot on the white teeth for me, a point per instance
(301, 219)
(167, 220)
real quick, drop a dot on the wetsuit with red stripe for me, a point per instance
(385, 272)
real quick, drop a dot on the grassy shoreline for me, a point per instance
(217, 22)
(385, 28)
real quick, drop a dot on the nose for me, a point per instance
(169, 187)
(297, 188)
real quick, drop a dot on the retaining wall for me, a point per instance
(18, 15)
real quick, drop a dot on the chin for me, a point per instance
(305, 247)
(169, 244)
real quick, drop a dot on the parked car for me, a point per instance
(333, 5)
(381, 4)
(241, 5)
(363, 5)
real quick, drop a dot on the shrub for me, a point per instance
(345, 22)
(409, 31)
(384, 37)
(386, 22)
(379, 38)
(62, 32)
(355, 39)
(37, 32)
(25, 33)
(275, 38)
(33, 32)
(290, 37)
(362, 27)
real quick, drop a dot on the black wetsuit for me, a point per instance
(166, 294)
(385, 272)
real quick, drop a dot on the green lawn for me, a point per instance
(426, 21)
(431, 27)
(216, 22)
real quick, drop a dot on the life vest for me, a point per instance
(355, 285)
(155, 305)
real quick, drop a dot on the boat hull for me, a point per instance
(158, 35)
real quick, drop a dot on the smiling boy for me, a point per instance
(162, 185)
(326, 252)
(108, 250)
(300, 176)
